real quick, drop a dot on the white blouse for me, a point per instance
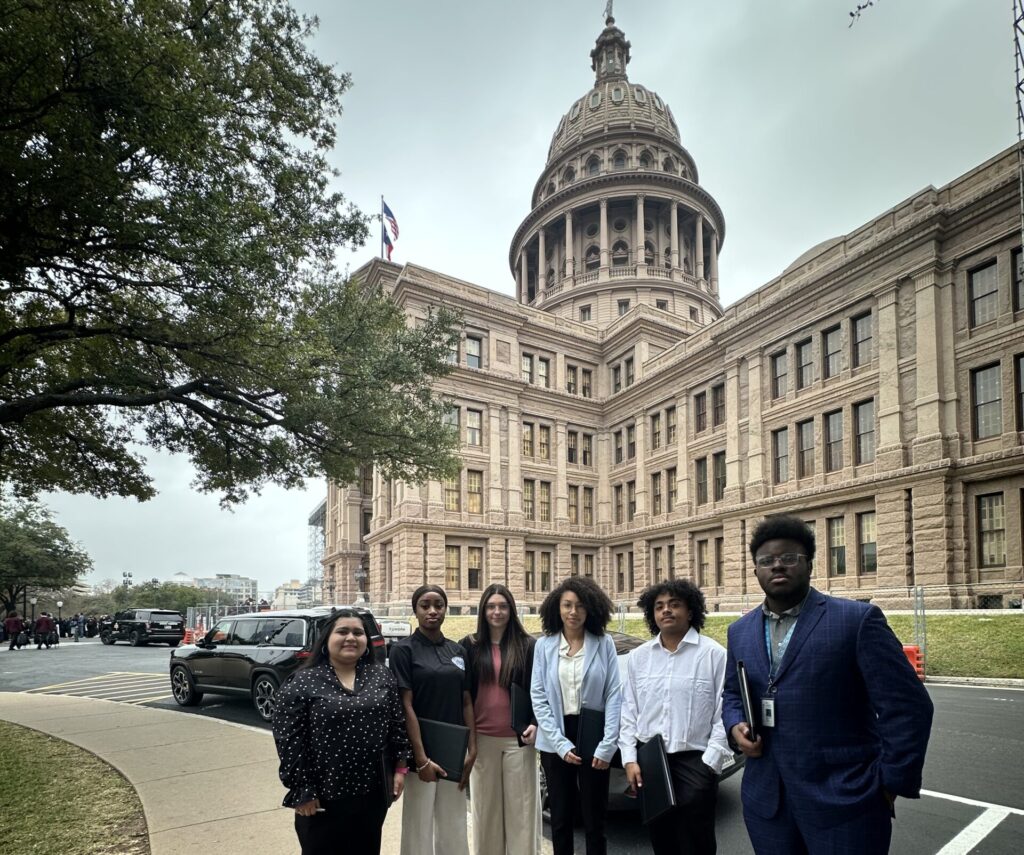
(570, 675)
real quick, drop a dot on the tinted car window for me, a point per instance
(286, 633)
(165, 617)
(246, 631)
(221, 632)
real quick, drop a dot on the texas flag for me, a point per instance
(389, 218)
(388, 246)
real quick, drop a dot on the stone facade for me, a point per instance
(618, 422)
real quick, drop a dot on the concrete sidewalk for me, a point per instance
(206, 785)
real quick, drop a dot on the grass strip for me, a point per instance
(58, 798)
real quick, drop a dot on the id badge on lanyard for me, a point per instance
(768, 699)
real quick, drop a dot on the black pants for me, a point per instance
(346, 825)
(689, 828)
(566, 784)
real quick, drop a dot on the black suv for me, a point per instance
(253, 654)
(141, 626)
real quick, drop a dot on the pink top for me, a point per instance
(493, 707)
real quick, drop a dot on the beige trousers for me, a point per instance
(433, 818)
(505, 798)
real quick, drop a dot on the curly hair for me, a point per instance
(681, 589)
(591, 595)
(783, 527)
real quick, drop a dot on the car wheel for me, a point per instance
(133, 639)
(184, 688)
(106, 638)
(264, 696)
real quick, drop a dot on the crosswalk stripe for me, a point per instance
(128, 687)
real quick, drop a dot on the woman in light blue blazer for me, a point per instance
(575, 667)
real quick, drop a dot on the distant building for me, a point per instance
(236, 587)
(317, 538)
(288, 596)
(183, 579)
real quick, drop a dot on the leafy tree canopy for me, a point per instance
(168, 242)
(36, 554)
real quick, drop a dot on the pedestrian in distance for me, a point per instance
(14, 626)
(44, 630)
(674, 688)
(340, 735)
(841, 719)
(434, 683)
(504, 782)
(575, 668)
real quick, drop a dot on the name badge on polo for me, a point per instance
(458, 662)
(767, 712)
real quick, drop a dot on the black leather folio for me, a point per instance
(522, 708)
(656, 795)
(590, 733)
(387, 774)
(446, 744)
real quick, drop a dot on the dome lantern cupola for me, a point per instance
(611, 53)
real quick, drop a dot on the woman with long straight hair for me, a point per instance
(503, 785)
(340, 730)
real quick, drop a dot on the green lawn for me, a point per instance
(972, 644)
(58, 798)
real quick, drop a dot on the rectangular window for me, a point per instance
(588, 449)
(618, 503)
(780, 455)
(586, 382)
(780, 375)
(584, 314)
(834, 441)
(987, 389)
(656, 431)
(703, 564)
(700, 412)
(718, 462)
(474, 427)
(670, 425)
(620, 572)
(474, 567)
(991, 531)
(618, 446)
(544, 442)
(452, 570)
(527, 439)
(529, 512)
(452, 494)
(530, 580)
(630, 500)
(864, 426)
(1018, 363)
(588, 506)
(631, 442)
(474, 352)
(860, 329)
(366, 472)
(474, 491)
(543, 372)
(623, 306)
(571, 374)
(656, 564)
(526, 367)
(629, 371)
(804, 364)
(574, 504)
(572, 440)
(719, 561)
(616, 378)
(670, 560)
(588, 565)
(700, 477)
(670, 483)
(1017, 275)
(805, 448)
(831, 353)
(836, 546)
(656, 493)
(574, 564)
(983, 286)
(717, 405)
(452, 357)
(451, 416)
(661, 304)
(867, 546)
(545, 571)
(544, 501)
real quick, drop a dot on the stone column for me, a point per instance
(542, 264)
(891, 453)
(674, 235)
(519, 284)
(733, 458)
(494, 513)
(714, 263)
(640, 228)
(561, 487)
(604, 235)
(641, 428)
(698, 245)
(756, 476)
(515, 476)
(682, 459)
(570, 266)
(928, 445)
(524, 277)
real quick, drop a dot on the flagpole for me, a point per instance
(382, 226)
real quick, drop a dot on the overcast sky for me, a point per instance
(802, 129)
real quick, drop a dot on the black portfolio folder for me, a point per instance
(522, 708)
(656, 794)
(446, 744)
(387, 773)
(590, 733)
(745, 699)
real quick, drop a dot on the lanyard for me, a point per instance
(776, 660)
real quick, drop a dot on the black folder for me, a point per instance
(522, 708)
(590, 733)
(387, 773)
(657, 794)
(445, 744)
(746, 700)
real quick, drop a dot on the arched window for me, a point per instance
(551, 189)
(640, 95)
(592, 260)
(620, 253)
(593, 165)
(595, 99)
(669, 165)
(645, 160)
(569, 175)
(648, 252)
(619, 159)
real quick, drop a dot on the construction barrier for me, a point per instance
(916, 659)
(190, 636)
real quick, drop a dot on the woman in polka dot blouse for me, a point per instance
(340, 731)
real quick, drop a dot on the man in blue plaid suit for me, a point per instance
(841, 719)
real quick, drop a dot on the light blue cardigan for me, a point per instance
(601, 689)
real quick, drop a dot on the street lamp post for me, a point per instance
(32, 601)
(60, 605)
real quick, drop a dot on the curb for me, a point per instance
(992, 682)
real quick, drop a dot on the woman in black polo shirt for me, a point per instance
(434, 684)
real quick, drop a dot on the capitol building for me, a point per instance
(618, 422)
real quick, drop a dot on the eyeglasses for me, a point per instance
(787, 559)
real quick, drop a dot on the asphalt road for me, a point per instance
(974, 777)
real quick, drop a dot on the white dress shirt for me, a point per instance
(677, 694)
(570, 675)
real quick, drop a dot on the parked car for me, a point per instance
(253, 654)
(142, 626)
(618, 788)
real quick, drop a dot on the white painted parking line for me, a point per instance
(976, 832)
(132, 687)
(973, 802)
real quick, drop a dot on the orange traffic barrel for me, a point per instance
(915, 658)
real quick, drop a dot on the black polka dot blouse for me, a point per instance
(330, 739)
